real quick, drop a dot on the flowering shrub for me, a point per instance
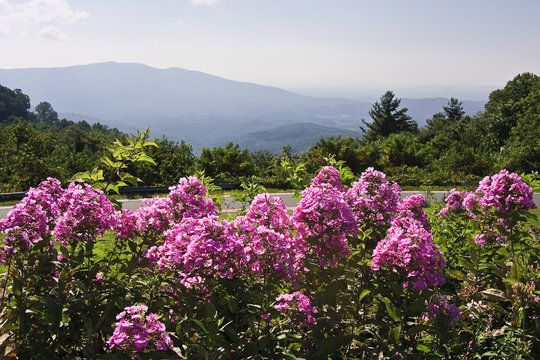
(487, 234)
(383, 279)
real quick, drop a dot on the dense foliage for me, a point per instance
(351, 272)
(452, 149)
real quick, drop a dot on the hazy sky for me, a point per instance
(294, 44)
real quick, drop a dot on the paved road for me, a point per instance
(230, 205)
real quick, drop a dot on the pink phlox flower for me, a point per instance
(187, 199)
(86, 214)
(324, 219)
(506, 192)
(408, 245)
(454, 202)
(137, 331)
(412, 207)
(298, 307)
(328, 176)
(200, 250)
(31, 220)
(443, 313)
(373, 199)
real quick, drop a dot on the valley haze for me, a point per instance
(202, 109)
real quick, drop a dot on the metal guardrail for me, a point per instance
(12, 196)
(123, 190)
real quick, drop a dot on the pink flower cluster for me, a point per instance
(78, 213)
(298, 307)
(324, 219)
(454, 202)
(198, 251)
(444, 314)
(499, 195)
(137, 331)
(267, 234)
(413, 207)
(31, 220)
(157, 215)
(408, 245)
(373, 199)
(506, 192)
(86, 213)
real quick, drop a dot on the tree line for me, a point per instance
(453, 149)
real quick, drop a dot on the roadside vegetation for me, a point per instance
(452, 150)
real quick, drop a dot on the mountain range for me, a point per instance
(201, 109)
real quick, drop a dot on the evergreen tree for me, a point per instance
(454, 110)
(388, 118)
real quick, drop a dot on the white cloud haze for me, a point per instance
(40, 17)
(52, 32)
(327, 45)
(204, 2)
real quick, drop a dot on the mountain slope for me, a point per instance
(199, 108)
(300, 137)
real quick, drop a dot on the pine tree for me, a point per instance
(454, 110)
(388, 118)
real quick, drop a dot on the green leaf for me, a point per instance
(392, 310)
(467, 264)
(456, 274)
(394, 334)
(105, 160)
(200, 324)
(422, 348)
(145, 158)
(363, 294)
(515, 272)
(133, 180)
(150, 143)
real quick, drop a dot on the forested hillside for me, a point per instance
(452, 149)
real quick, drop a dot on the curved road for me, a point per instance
(230, 205)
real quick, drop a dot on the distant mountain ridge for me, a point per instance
(202, 109)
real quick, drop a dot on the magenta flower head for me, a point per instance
(323, 218)
(267, 234)
(188, 199)
(31, 220)
(297, 307)
(412, 207)
(373, 199)
(86, 214)
(328, 176)
(506, 192)
(137, 331)
(198, 252)
(408, 245)
(443, 314)
(454, 202)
